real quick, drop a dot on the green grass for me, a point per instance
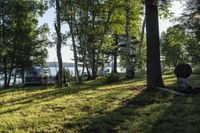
(125, 106)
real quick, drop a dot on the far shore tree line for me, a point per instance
(101, 31)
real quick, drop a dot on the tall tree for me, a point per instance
(92, 21)
(59, 43)
(4, 38)
(138, 58)
(125, 23)
(190, 20)
(20, 33)
(154, 76)
(69, 15)
(129, 62)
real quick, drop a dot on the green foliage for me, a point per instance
(118, 27)
(94, 23)
(190, 20)
(175, 45)
(190, 17)
(112, 77)
(164, 9)
(23, 43)
(178, 46)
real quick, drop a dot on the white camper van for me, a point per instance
(33, 75)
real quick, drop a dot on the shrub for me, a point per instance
(112, 77)
(183, 71)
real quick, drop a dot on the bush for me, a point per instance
(183, 71)
(112, 77)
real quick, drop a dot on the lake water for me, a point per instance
(54, 70)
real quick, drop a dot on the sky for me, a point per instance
(67, 54)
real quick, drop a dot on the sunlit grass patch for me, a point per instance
(169, 79)
(124, 106)
(48, 109)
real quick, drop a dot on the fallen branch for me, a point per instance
(172, 91)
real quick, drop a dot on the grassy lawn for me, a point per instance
(96, 107)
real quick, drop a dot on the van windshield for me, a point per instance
(33, 72)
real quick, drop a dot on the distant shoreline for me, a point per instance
(67, 64)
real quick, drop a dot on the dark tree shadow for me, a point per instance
(30, 99)
(182, 116)
(111, 121)
(24, 88)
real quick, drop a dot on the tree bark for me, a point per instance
(59, 43)
(4, 58)
(71, 20)
(102, 69)
(129, 63)
(77, 77)
(10, 74)
(154, 76)
(15, 76)
(115, 55)
(141, 41)
(93, 65)
(5, 73)
(88, 72)
(22, 75)
(83, 69)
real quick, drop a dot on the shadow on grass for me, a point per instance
(30, 99)
(38, 95)
(35, 96)
(24, 88)
(182, 116)
(59, 92)
(113, 121)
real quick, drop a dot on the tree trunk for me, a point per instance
(11, 67)
(72, 25)
(5, 73)
(10, 75)
(88, 73)
(77, 77)
(15, 76)
(59, 43)
(4, 58)
(115, 55)
(83, 69)
(102, 68)
(141, 41)
(154, 76)
(22, 74)
(93, 65)
(129, 63)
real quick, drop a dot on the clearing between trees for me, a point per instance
(125, 106)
